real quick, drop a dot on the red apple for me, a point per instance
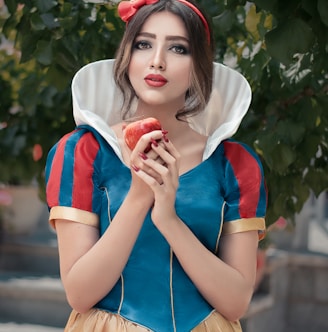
(133, 131)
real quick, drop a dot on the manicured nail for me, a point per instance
(165, 132)
(143, 156)
(135, 168)
(154, 142)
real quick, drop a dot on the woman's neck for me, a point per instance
(166, 114)
(168, 121)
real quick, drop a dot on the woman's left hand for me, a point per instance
(164, 190)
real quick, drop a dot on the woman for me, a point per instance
(164, 240)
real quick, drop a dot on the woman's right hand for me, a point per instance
(136, 156)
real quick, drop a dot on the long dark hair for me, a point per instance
(202, 52)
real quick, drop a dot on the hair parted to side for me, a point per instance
(201, 50)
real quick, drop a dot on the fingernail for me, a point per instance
(165, 132)
(135, 168)
(143, 156)
(154, 142)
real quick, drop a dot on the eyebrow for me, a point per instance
(169, 38)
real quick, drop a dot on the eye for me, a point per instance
(142, 45)
(179, 49)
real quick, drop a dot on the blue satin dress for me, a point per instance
(223, 194)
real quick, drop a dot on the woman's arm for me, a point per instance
(227, 283)
(90, 266)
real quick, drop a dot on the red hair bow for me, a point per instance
(126, 9)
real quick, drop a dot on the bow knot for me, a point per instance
(127, 9)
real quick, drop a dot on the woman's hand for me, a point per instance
(159, 169)
(138, 187)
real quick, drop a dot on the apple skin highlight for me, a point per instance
(133, 131)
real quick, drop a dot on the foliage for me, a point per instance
(54, 40)
(280, 46)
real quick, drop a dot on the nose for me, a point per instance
(158, 60)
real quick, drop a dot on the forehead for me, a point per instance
(165, 23)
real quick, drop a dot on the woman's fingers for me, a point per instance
(170, 157)
(146, 140)
(143, 149)
(164, 169)
(156, 158)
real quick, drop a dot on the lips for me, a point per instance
(155, 80)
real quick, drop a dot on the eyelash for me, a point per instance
(178, 49)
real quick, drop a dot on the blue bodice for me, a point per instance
(153, 290)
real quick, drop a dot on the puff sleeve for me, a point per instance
(71, 175)
(245, 190)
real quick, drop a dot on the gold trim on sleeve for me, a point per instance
(244, 225)
(73, 214)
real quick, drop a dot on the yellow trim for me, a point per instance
(244, 225)
(108, 204)
(171, 290)
(220, 232)
(73, 214)
(122, 295)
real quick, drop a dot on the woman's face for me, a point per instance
(161, 63)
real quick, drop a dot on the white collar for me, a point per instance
(97, 102)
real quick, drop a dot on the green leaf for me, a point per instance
(11, 5)
(290, 132)
(279, 204)
(234, 3)
(310, 145)
(301, 192)
(47, 96)
(224, 21)
(43, 53)
(282, 157)
(45, 5)
(265, 4)
(37, 23)
(28, 94)
(309, 112)
(317, 179)
(50, 21)
(66, 9)
(310, 6)
(29, 42)
(323, 11)
(59, 78)
(69, 22)
(290, 37)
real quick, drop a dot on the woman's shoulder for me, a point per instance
(80, 142)
(239, 157)
(233, 149)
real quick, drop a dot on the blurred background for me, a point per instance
(279, 46)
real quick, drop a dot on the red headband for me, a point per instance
(127, 9)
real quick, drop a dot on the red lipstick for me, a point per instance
(155, 80)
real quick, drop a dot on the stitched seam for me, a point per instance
(121, 277)
(171, 290)
(122, 295)
(221, 226)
